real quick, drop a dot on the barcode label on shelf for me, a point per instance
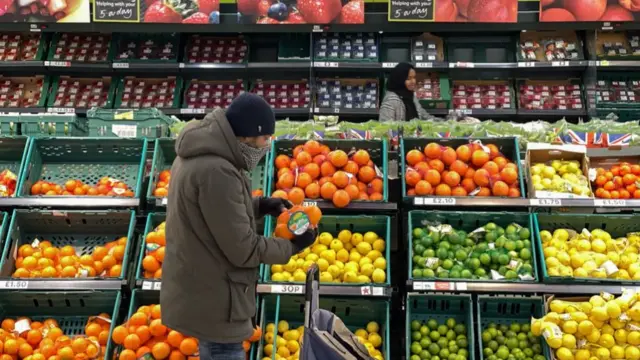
(61, 110)
(610, 202)
(559, 63)
(14, 284)
(192, 111)
(128, 131)
(57, 63)
(120, 65)
(526, 64)
(424, 65)
(147, 285)
(157, 285)
(391, 65)
(164, 201)
(434, 201)
(287, 289)
(546, 202)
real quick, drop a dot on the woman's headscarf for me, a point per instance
(396, 83)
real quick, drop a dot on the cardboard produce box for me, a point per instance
(566, 187)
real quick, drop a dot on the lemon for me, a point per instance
(613, 310)
(375, 340)
(344, 236)
(307, 264)
(340, 265)
(563, 257)
(634, 268)
(599, 313)
(569, 341)
(367, 269)
(312, 257)
(589, 266)
(328, 255)
(351, 266)
(564, 354)
(577, 260)
(585, 327)
(300, 276)
(558, 306)
(552, 262)
(536, 327)
(552, 317)
(633, 338)
(570, 327)
(594, 336)
(632, 353)
(621, 336)
(348, 246)
(318, 248)
(606, 340)
(545, 236)
(373, 327)
(268, 350)
(283, 351)
(603, 354)
(561, 234)
(370, 237)
(334, 271)
(280, 341)
(354, 256)
(356, 239)
(342, 255)
(325, 277)
(300, 262)
(379, 245)
(336, 245)
(278, 277)
(268, 337)
(582, 354)
(325, 238)
(598, 246)
(550, 252)
(271, 327)
(607, 329)
(374, 254)
(361, 333)
(584, 245)
(380, 263)
(350, 277)
(577, 315)
(364, 279)
(363, 248)
(323, 264)
(283, 326)
(291, 266)
(293, 346)
(617, 352)
(596, 300)
(276, 268)
(617, 324)
(378, 276)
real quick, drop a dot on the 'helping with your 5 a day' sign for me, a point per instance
(411, 10)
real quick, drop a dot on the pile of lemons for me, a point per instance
(601, 328)
(348, 258)
(288, 341)
(591, 254)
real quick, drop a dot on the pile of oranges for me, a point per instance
(41, 259)
(314, 172)
(162, 185)
(144, 334)
(282, 230)
(154, 246)
(25, 339)
(106, 186)
(619, 182)
(257, 334)
(469, 170)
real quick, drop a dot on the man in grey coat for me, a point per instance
(213, 250)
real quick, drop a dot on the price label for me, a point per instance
(424, 65)
(391, 65)
(434, 201)
(559, 63)
(460, 64)
(157, 286)
(147, 285)
(14, 284)
(128, 131)
(287, 289)
(120, 65)
(317, 28)
(192, 111)
(309, 203)
(546, 202)
(336, 111)
(57, 63)
(377, 291)
(526, 64)
(424, 285)
(610, 202)
(603, 63)
(61, 110)
(325, 64)
(164, 201)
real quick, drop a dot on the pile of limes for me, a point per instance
(433, 340)
(489, 252)
(511, 342)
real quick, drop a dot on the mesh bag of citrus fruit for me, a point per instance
(296, 221)
(25, 338)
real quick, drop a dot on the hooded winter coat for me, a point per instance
(213, 250)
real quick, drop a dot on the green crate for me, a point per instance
(13, 152)
(30, 89)
(85, 159)
(153, 220)
(9, 124)
(507, 310)
(469, 221)
(615, 224)
(56, 37)
(423, 307)
(377, 150)
(356, 313)
(145, 123)
(621, 115)
(333, 224)
(55, 83)
(293, 47)
(71, 309)
(122, 40)
(176, 93)
(45, 125)
(508, 146)
(81, 229)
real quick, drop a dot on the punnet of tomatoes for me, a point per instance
(618, 181)
(453, 167)
(318, 170)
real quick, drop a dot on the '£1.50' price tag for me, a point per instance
(14, 284)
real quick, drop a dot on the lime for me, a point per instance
(443, 342)
(425, 355)
(415, 325)
(434, 335)
(442, 329)
(453, 348)
(503, 259)
(502, 353)
(428, 273)
(418, 233)
(425, 342)
(466, 274)
(485, 259)
(424, 330)
(454, 274)
(430, 253)
(515, 328)
(432, 324)
(451, 335)
(435, 236)
(500, 241)
(416, 336)
(444, 245)
(490, 226)
(474, 264)
(510, 245)
(486, 336)
(487, 352)
(442, 253)
(511, 229)
(524, 233)
(417, 273)
(460, 329)
(419, 249)
(493, 345)
(463, 352)
(480, 272)
(454, 238)
(434, 349)
(462, 343)
(500, 339)
(525, 254)
(512, 343)
(451, 323)
(510, 274)
(415, 348)
(415, 357)
(461, 255)
(447, 264)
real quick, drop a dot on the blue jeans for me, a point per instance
(217, 351)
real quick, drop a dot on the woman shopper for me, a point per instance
(400, 102)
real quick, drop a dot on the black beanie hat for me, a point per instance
(250, 116)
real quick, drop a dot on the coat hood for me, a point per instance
(210, 136)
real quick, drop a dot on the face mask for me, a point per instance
(252, 155)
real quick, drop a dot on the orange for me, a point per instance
(458, 191)
(352, 190)
(36, 189)
(25, 350)
(176, 355)
(479, 158)
(500, 188)
(280, 194)
(412, 177)
(94, 329)
(484, 191)
(160, 350)
(635, 169)
(282, 231)
(338, 158)
(361, 157)
(312, 147)
(283, 218)
(174, 338)
(257, 334)
(127, 355)
(293, 165)
(491, 167)
(363, 195)
(327, 190)
(509, 176)
(286, 181)
(340, 179)
(433, 177)
(79, 345)
(629, 179)
(282, 161)
(327, 169)
(282, 171)
(636, 194)
(143, 333)
(601, 180)
(421, 167)
(118, 252)
(609, 185)
(423, 187)
(459, 167)
(142, 350)
(617, 181)
(65, 353)
(437, 165)
(452, 179)
(312, 169)
(34, 337)
(156, 328)
(375, 186)
(481, 177)
(493, 150)
(448, 156)
(463, 153)
(139, 318)
(351, 167)
(443, 190)
(189, 346)
(367, 173)
(624, 194)
(468, 185)
(501, 161)
(303, 180)
(132, 342)
(513, 192)
(303, 158)
(414, 157)
(341, 199)
(615, 194)
(11, 346)
(296, 196)
(433, 151)
(312, 191)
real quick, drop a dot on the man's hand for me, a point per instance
(273, 206)
(304, 240)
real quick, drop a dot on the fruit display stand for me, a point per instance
(285, 315)
(143, 280)
(426, 314)
(93, 161)
(81, 236)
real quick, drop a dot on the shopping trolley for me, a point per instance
(325, 336)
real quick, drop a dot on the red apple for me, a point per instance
(633, 5)
(446, 11)
(463, 5)
(586, 10)
(497, 11)
(556, 15)
(617, 13)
